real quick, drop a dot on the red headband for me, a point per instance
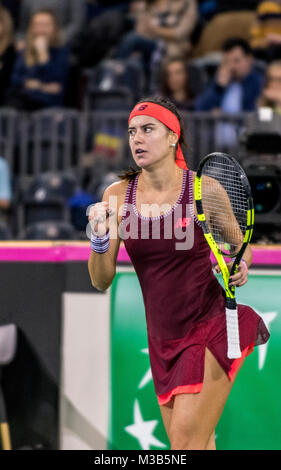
(166, 117)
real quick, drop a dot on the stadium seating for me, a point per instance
(46, 198)
(49, 230)
(114, 84)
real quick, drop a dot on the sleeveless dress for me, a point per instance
(184, 302)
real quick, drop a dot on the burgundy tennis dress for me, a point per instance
(184, 302)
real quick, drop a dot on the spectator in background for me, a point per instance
(171, 22)
(70, 14)
(237, 85)
(266, 31)
(175, 83)
(271, 93)
(235, 89)
(40, 72)
(160, 22)
(7, 51)
(5, 190)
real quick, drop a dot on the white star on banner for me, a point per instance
(267, 317)
(148, 375)
(143, 430)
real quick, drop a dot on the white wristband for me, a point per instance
(100, 244)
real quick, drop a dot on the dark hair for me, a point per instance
(166, 103)
(164, 86)
(231, 43)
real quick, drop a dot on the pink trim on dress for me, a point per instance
(166, 397)
(162, 399)
(234, 366)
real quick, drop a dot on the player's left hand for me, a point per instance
(240, 277)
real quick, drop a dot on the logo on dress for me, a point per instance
(183, 222)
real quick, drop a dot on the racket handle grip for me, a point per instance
(232, 329)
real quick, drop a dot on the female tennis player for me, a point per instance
(184, 302)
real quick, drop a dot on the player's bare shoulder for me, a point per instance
(117, 189)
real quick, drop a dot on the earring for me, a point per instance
(173, 145)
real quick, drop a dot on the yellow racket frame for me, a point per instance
(230, 292)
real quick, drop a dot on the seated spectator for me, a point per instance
(160, 22)
(271, 93)
(70, 14)
(235, 89)
(40, 71)
(174, 83)
(237, 85)
(7, 51)
(266, 31)
(5, 189)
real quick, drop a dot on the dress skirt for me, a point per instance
(177, 365)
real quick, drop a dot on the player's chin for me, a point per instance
(145, 163)
(140, 161)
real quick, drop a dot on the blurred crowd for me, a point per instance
(46, 45)
(57, 53)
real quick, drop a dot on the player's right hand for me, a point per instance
(98, 218)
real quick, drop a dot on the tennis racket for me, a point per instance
(226, 214)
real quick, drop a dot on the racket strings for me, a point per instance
(225, 203)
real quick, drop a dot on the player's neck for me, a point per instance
(161, 179)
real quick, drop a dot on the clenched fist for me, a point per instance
(98, 218)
